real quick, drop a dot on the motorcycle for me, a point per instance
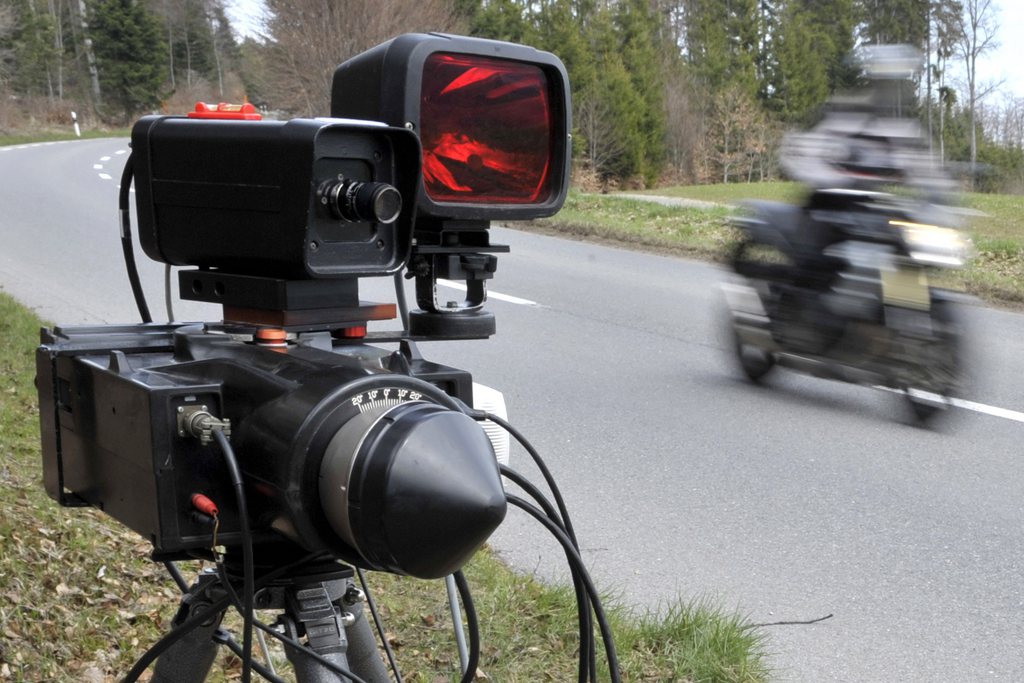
(841, 287)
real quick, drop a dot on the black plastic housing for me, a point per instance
(425, 493)
(242, 196)
(384, 84)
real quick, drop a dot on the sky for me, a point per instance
(245, 15)
(1003, 64)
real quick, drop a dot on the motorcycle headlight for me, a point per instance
(933, 244)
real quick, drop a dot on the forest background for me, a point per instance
(664, 91)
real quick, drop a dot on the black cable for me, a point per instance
(201, 617)
(225, 638)
(472, 625)
(526, 485)
(588, 653)
(379, 625)
(575, 559)
(126, 242)
(248, 579)
(545, 472)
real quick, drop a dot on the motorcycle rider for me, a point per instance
(863, 143)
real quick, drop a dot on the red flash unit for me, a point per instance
(493, 119)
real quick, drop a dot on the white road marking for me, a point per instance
(491, 294)
(994, 411)
(988, 410)
(7, 148)
(106, 176)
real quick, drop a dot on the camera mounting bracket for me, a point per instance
(256, 300)
(458, 251)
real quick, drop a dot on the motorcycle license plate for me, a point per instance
(906, 287)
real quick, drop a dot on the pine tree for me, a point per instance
(811, 46)
(560, 29)
(610, 109)
(129, 54)
(193, 43)
(497, 19)
(7, 23)
(34, 54)
(722, 45)
(639, 32)
(801, 82)
(889, 22)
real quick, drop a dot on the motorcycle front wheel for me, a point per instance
(753, 361)
(944, 368)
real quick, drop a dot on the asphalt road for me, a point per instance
(790, 502)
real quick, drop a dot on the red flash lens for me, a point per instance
(486, 130)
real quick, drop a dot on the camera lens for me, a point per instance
(356, 201)
(413, 488)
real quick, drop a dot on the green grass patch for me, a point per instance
(733, 192)
(699, 232)
(693, 641)
(80, 601)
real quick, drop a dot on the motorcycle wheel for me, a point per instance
(754, 362)
(946, 370)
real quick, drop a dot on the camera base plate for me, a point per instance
(317, 318)
(461, 325)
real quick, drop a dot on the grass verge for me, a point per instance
(80, 600)
(995, 273)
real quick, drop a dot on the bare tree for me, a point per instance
(736, 134)
(977, 35)
(1015, 122)
(683, 125)
(1004, 122)
(595, 120)
(90, 56)
(309, 38)
(945, 19)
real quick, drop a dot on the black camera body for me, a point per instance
(115, 405)
(262, 197)
(343, 447)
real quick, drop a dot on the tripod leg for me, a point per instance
(189, 660)
(363, 655)
(336, 629)
(310, 610)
